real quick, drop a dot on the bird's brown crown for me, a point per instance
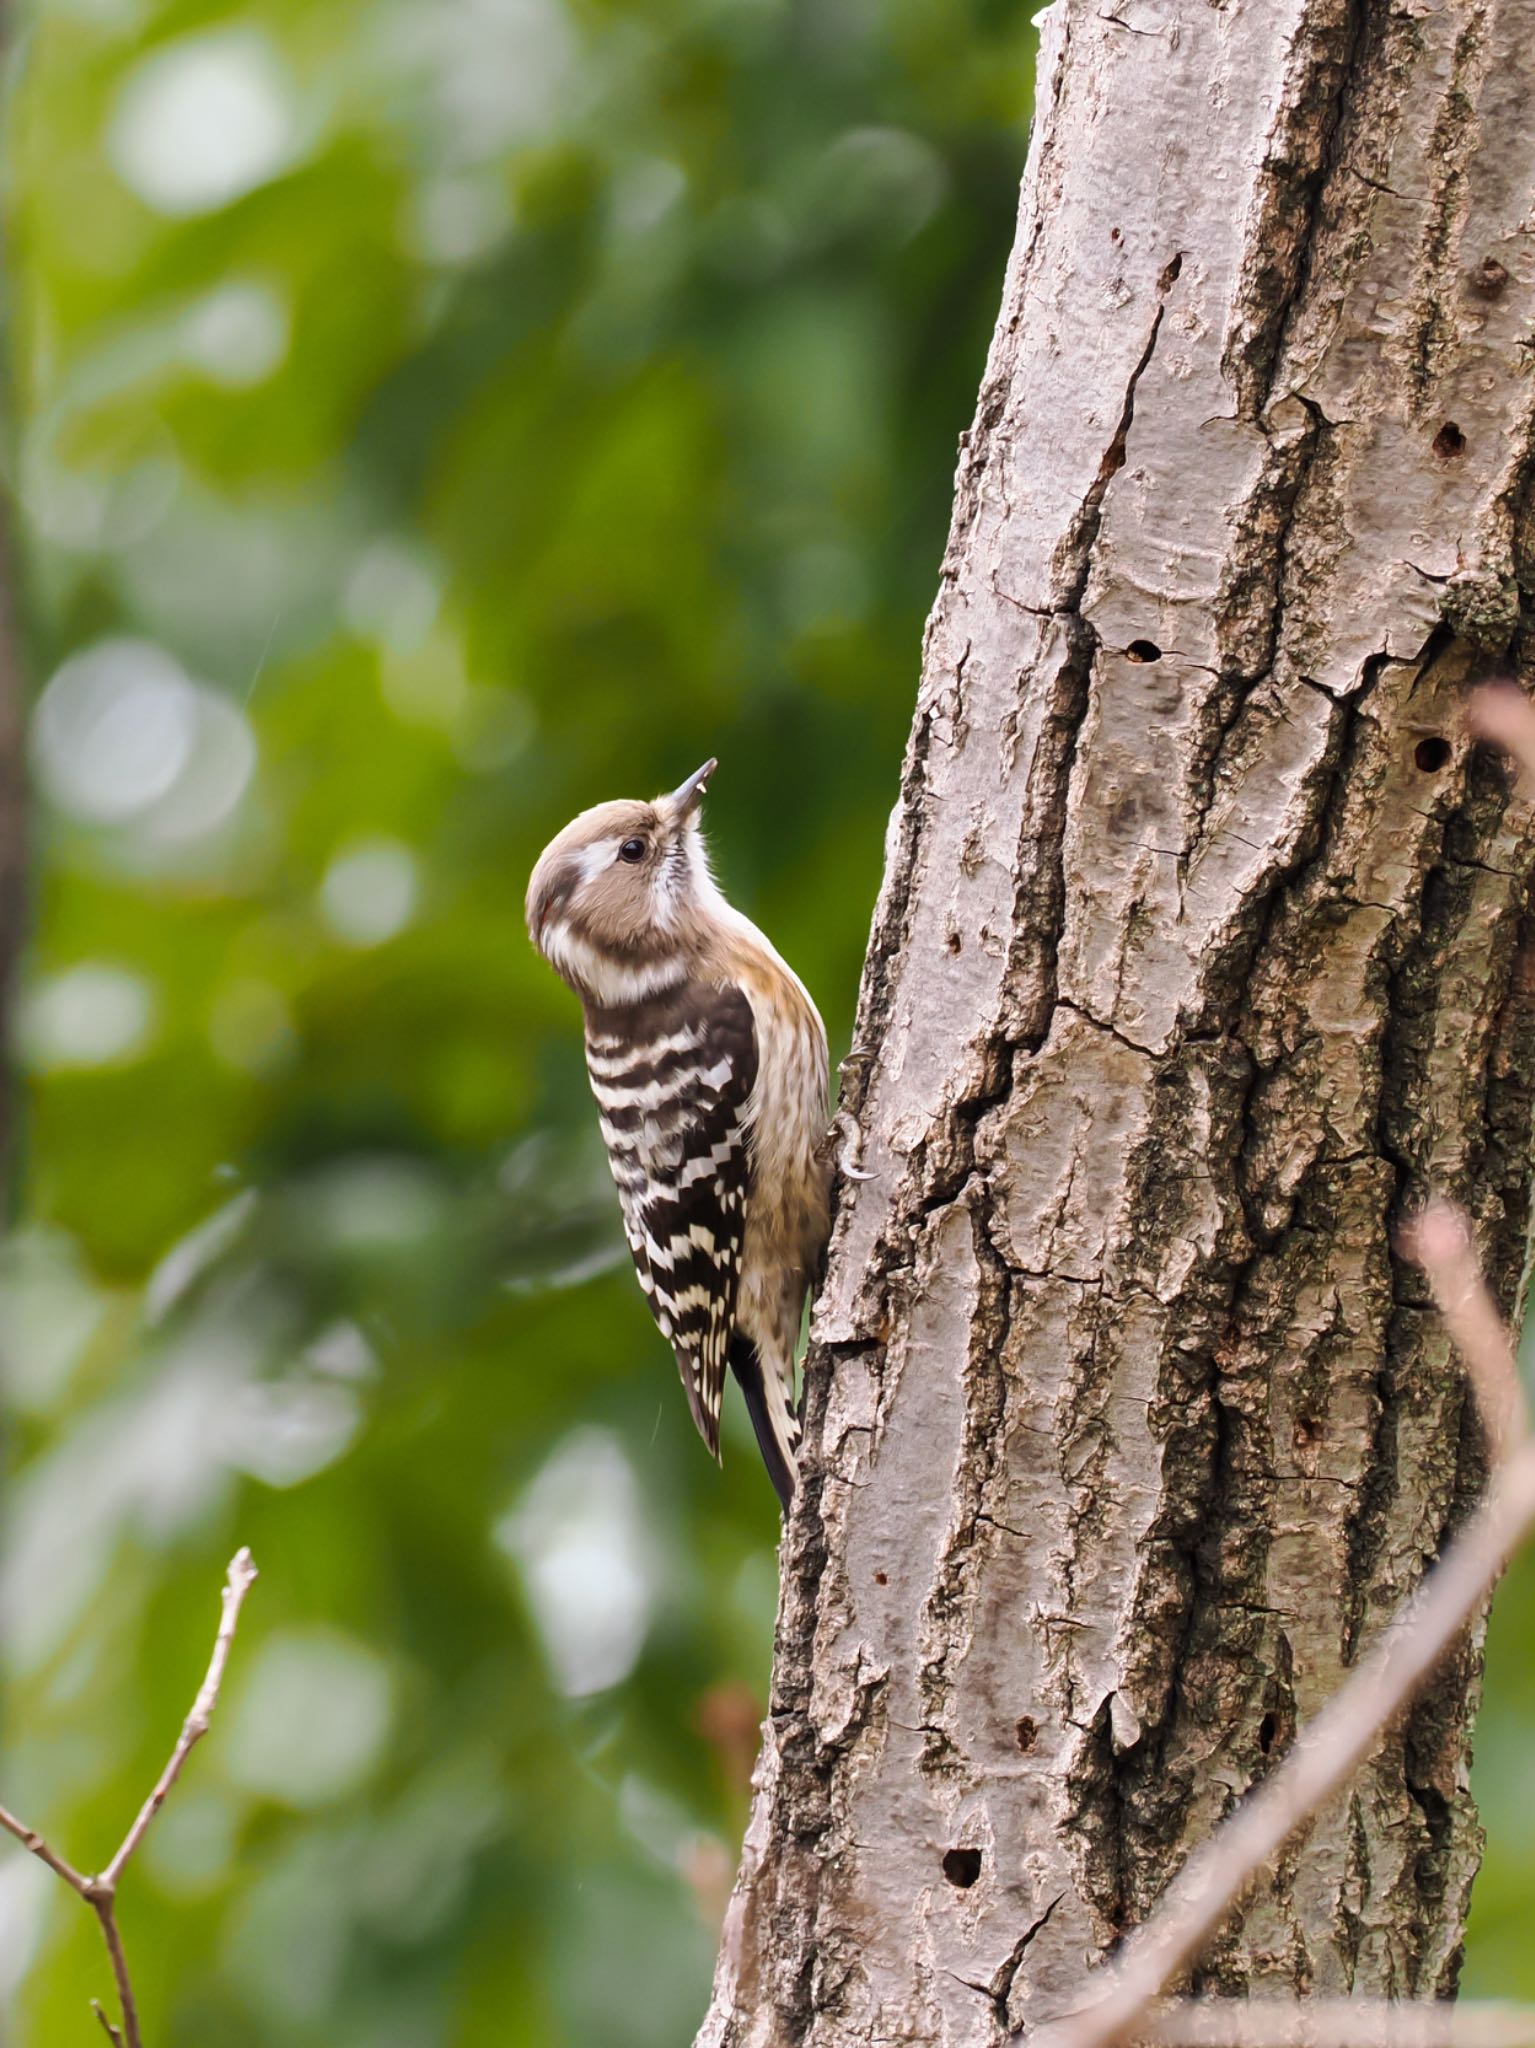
(616, 900)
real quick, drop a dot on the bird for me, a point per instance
(708, 1061)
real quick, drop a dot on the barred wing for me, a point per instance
(673, 1078)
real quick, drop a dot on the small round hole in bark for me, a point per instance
(1116, 235)
(1144, 650)
(1268, 1728)
(1028, 1728)
(1307, 1432)
(962, 1867)
(953, 943)
(1432, 754)
(1449, 442)
(882, 1578)
(1490, 278)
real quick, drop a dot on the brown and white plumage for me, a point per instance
(708, 1062)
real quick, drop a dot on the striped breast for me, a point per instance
(673, 1077)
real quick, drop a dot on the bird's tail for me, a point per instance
(772, 1418)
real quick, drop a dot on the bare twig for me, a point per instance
(1334, 2023)
(111, 2032)
(29, 1838)
(100, 1893)
(238, 1581)
(104, 1905)
(1439, 1240)
(1501, 712)
(1325, 1753)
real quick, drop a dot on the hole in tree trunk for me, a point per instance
(1144, 650)
(1431, 755)
(1449, 442)
(962, 1867)
(1028, 1728)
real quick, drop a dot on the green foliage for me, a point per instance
(1499, 1962)
(432, 417)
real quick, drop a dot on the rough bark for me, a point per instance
(1204, 947)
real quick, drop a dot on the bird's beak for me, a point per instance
(686, 797)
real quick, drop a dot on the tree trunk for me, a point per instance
(1203, 950)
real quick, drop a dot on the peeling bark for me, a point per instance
(1204, 948)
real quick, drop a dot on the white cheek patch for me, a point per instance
(596, 859)
(593, 859)
(556, 945)
(611, 982)
(571, 955)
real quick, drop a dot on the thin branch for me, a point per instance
(100, 1893)
(29, 1838)
(1334, 2023)
(111, 2032)
(1439, 1240)
(1324, 1755)
(104, 1907)
(1501, 712)
(238, 1581)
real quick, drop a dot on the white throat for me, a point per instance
(597, 974)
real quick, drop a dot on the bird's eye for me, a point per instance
(632, 850)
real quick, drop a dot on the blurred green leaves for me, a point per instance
(431, 416)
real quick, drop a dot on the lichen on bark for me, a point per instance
(1204, 949)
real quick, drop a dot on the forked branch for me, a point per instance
(100, 1893)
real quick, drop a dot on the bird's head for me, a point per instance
(616, 901)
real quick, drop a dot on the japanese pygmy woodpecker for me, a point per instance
(708, 1062)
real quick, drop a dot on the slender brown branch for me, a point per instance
(1324, 1754)
(1334, 2023)
(29, 1838)
(103, 1904)
(238, 1581)
(1501, 712)
(100, 1893)
(1439, 1240)
(112, 2032)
